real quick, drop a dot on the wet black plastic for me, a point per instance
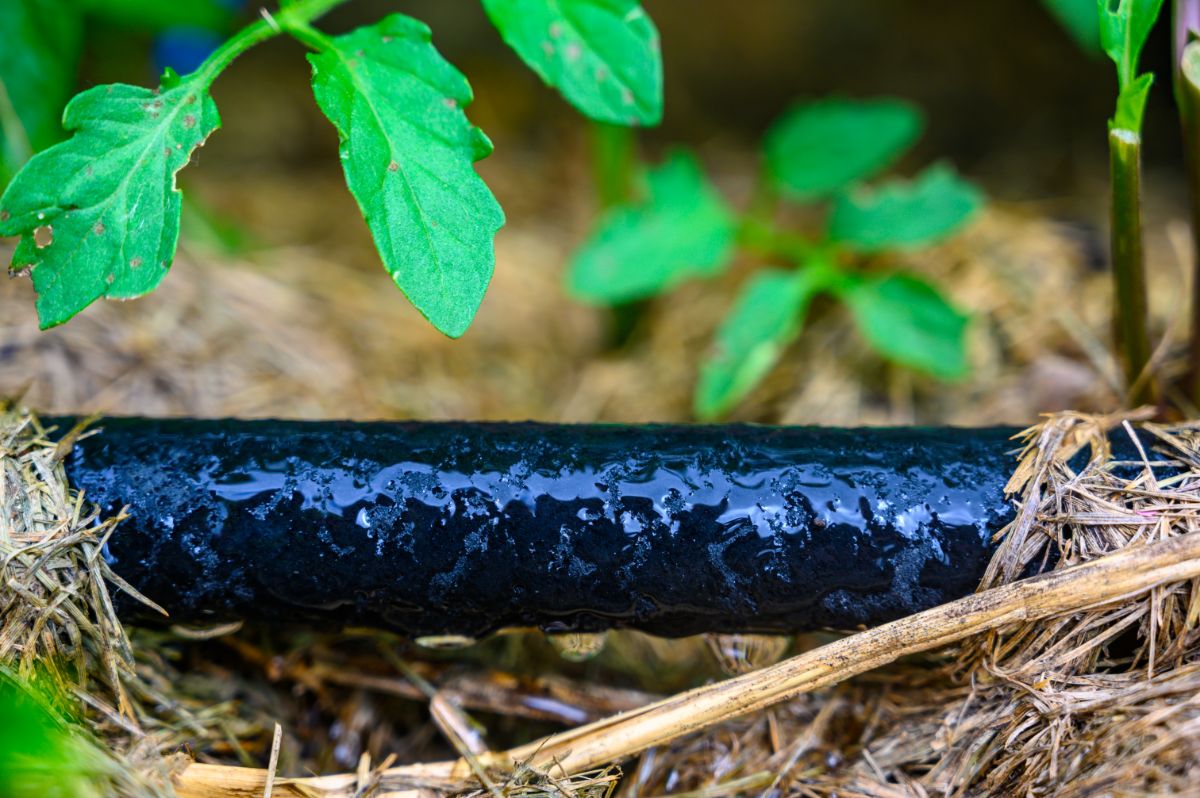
(464, 528)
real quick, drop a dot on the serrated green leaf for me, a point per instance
(37, 74)
(1124, 27)
(408, 152)
(907, 320)
(99, 213)
(1078, 18)
(818, 148)
(602, 55)
(904, 214)
(765, 318)
(683, 229)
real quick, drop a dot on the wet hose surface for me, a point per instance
(465, 528)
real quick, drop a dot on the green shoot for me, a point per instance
(1124, 28)
(817, 152)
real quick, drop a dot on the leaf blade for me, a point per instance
(603, 56)
(765, 318)
(908, 321)
(408, 153)
(98, 214)
(817, 148)
(683, 229)
(36, 78)
(905, 214)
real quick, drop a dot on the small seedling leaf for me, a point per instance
(1078, 18)
(1131, 104)
(1124, 27)
(818, 148)
(602, 55)
(37, 75)
(682, 229)
(98, 214)
(765, 318)
(906, 320)
(408, 151)
(904, 214)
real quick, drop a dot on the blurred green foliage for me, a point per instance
(821, 151)
(40, 756)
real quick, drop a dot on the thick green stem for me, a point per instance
(1129, 277)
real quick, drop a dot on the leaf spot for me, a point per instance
(41, 215)
(450, 102)
(626, 96)
(189, 121)
(572, 51)
(98, 228)
(547, 48)
(393, 167)
(602, 73)
(4, 216)
(167, 151)
(88, 171)
(386, 39)
(556, 30)
(110, 278)
(43, 236)
(135, 263)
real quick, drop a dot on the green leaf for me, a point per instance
(37, 74)
(908, 321)
(1131, 104)
(683, 229)
(1078, 18)
(818, 148)
(1124, 27)
(154, 15)
(99, 213)
(408, 152)
(765, 318)
(602, 55)
(904, 214)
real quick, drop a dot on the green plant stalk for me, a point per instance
(613, 160)
(1187, 99)
(1189, 117)
(290, 18)
(1129, 275)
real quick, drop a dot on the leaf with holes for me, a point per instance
(683, 229)
(905, 319)
(765, 318)
(904, 214)
(1124, 27)
(408, 152)
(602, 55)
(818, 148)
(98, 214)
(37, 74)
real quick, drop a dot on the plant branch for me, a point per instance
(297, 14)
(1112, 578)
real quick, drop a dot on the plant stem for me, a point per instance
(1187, 100)
(1129, 277)
(613, 159)
(289, 18)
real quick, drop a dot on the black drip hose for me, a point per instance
(465, 528)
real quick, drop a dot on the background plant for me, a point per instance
(98, 215)
(817, 153)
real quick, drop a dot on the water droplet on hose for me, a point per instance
(445, 642)
(737, 654)
(578, 646)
